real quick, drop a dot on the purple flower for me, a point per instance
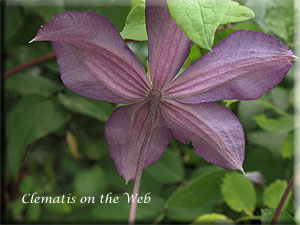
(95, 62)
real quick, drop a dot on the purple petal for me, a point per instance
(93, 58)
(214, 130)
(168, 45)
(125, 131)
(244, 66)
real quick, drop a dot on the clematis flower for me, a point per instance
(95, 62)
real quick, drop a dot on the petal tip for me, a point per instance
(34, 39)
(242, 170)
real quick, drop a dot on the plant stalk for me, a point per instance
(283, 199)
(31, 63)
(154, 98)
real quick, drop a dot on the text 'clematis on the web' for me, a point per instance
(95, 62)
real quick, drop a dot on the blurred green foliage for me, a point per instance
(55, 143)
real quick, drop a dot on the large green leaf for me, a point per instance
(273, 194)
(168, 169)
(29, 83)
(135, 26)
(32, 118)
(199, 196)
(237, 13)
(239, 193)
(199, 19)
(90, 107)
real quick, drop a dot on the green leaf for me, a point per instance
(136, 2)
(248, 26)
(90, 182)
(237, 13)
(135, 26)
(140, 49)
(259, 159)
(28, 83)
(168, 169)
(288, 146)
(228, 103)
(195, 54)
(282, 124)
(268, 214)
(212, 218)
(199, 196)
(281, 20)
(273, 194)
(270, 105)
(90, 107)
(247, 110)
(259, 7)
(202, 170)
(236, 199)
(32, 118)
(271, 141)
(150, 210)
(199, 19)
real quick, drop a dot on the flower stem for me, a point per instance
(154, 98)
(29, 64)
(283, 199)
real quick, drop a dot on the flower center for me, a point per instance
(154, 96)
